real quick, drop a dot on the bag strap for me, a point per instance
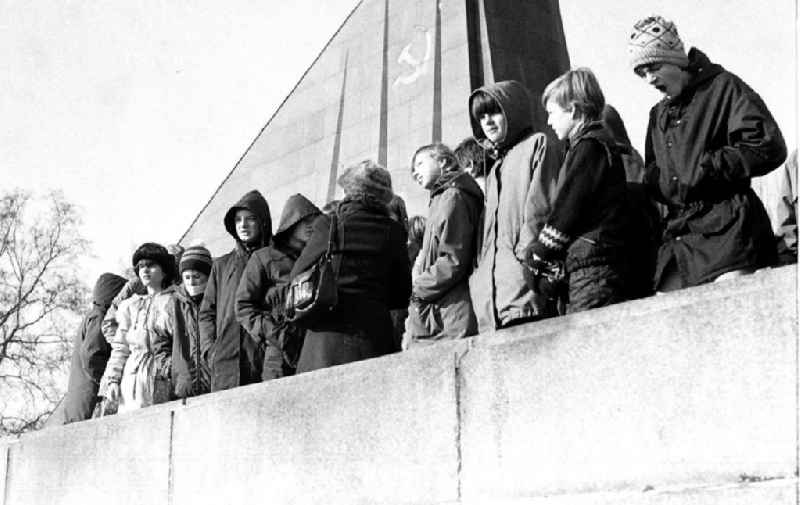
(332, 232)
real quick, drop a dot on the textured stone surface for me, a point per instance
(695, 385)
(3, 470)
(117, 460)
(382, 431)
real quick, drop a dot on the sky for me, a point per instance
(137, 110)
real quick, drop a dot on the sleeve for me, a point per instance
(119, 344)
(207, 316)
(163, 332)
(95, 348)
(583, 175)
(545, 167)
(786, 209)
(455, 248)
(251, 307)
(755, 145)
(182, 373)
(399, 271)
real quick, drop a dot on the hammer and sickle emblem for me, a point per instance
(418, 66)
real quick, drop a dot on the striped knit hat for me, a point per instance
(655, 40)
(196, 258)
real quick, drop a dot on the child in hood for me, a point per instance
(261, 293)
(234, 357)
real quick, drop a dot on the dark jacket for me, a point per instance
(235, 358)
(588, 223)
(191, 375)
(269, 268)
(442, 307)
(702, 148)
(373, 277)
(90, 353)
(520, 188)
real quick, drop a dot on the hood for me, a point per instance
(458, 179)
(257, 204)
(701, 70)
(515, 103)
(297, 208)
(107, 287)
(615, 125)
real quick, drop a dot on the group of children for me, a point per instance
(518, 229)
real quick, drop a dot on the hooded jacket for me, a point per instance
(443, 308)
(520, 188)
(266, 269)
(90, 353)
(191, 375)
(702, 148)
(234, 357)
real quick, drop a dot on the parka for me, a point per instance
(441, 305)
(191, 375)
(234, 357)
(373, 277)
(141, 351)
(520, 187)
(702, 148)
(90, 353)
(267, 269)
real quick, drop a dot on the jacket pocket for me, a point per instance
(716, 220)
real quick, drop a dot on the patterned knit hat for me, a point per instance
(196, 258)
(367, 179)
(655, 40)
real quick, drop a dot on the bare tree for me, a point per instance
(41, 297)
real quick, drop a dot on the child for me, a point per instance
(519, 188)
(587, 225)
(191, 375)
(441, 308)
(233, 356)
(261, 293)
(139, 369)
(472, 159)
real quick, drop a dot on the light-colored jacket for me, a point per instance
(141, 350)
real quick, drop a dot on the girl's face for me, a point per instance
(246, 224)
(151, 274)
(194, 281)
(426, 170)
(301, 232)
(561, 120)
(494, 126)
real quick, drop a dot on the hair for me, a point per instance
(416, 228)
(398, 212)
(483, 103)
(438, 152)
(471, 156)
(577, 89)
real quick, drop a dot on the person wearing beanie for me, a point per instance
(373, 272)
(191, 375)
(708, 136)
(233, 356)
(261, 294)
(138, 373)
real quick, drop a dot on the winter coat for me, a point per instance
(90, 353)
(269, 269)
(786, 212)
(442, 307)
(702, 148)
(141, 351)
(234, 358)
(191, 375)
(373, 277)
(520, 188)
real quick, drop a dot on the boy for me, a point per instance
(587, 225)
(441, 307)
(706, 139)
(519, 189)
(233, 356)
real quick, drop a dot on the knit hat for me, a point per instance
(196, 258)
(157, 253)
(367, 179)
(655, 40)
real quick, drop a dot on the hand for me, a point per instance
(276, 296)
(112, 392)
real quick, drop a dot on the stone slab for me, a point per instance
(3, 470)
(117, 460)
(379, 431)
(698, 385)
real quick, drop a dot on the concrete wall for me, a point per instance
(678, 399)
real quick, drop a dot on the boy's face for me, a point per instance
(246, 224)
(150, 273)
(194, 281)
(426, 170)
(301, 232)
(494, 126)
(561, 120)
(667, 78)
